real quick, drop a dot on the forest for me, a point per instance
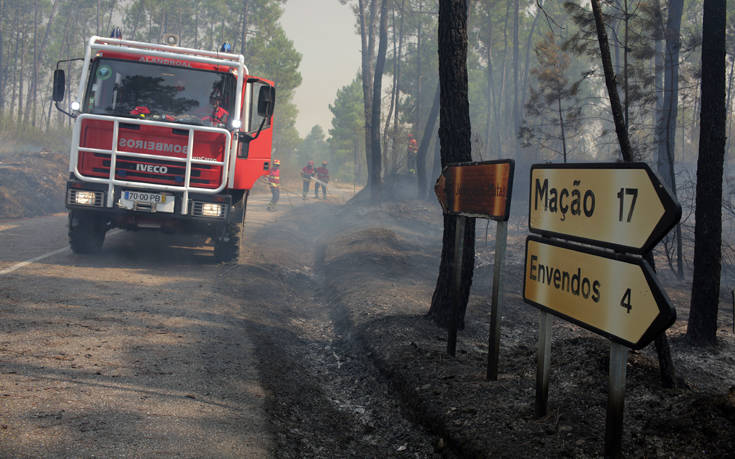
(536, 87)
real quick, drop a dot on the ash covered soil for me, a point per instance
(334, 298)
(32, 183)
(374, 268)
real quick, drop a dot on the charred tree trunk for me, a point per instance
(419, 41)
(388, 164)
(429, 130)
(455, 137)
(374, 165)
(612, 90)
(516, 69)
(702, 326)
(490, 87)
(666, 364)
(669, 114)
(397, 58)
(367, 38)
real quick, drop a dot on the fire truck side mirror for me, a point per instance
(59, 85)
(266, 100)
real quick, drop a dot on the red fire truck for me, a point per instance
(165, 138)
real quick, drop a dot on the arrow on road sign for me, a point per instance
(616, 296)
(477, 189)
(618, 205)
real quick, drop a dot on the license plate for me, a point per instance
(145, 201)
(142, 196)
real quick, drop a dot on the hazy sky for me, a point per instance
(323, 32)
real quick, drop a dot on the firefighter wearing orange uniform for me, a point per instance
(307, 173)
(322, 176)
(274, 181)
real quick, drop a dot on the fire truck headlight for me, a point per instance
(236, 124)
(211, 210)
(75, 106)
(84, 198)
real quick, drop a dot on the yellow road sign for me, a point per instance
(477, 189)
(616, 205)
(614, 295)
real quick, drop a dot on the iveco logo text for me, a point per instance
(151, 168)
(152, 146)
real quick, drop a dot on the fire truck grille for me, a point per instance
(159, 171)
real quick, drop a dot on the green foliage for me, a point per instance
(204, 24)
(554, 111)
(314, 147)
(347, 134)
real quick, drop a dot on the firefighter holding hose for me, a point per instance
(322, 178)
(274, 182)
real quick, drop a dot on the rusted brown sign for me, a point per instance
(477, 189)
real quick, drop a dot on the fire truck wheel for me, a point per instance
(227, 246)
(86, 232)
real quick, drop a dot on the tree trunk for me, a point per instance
(419, 41)
(667, 129)
(455, 137)
(244, 28)
(702, 326)
(21, 78)
(38, 54)
(617, 109)
(563, 133)
(659, 71)
(490, 86)
(528, 58)
(516, 66)
(15, 61)
(394, 164)
(367, 37)
(666, 364)
(424, 146)
(374, 165)
(3, 71)
(109, 17)
(388, 163)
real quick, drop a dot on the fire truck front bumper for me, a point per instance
(141, 208)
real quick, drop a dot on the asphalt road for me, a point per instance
(138, 350)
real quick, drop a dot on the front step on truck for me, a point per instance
(165, 138)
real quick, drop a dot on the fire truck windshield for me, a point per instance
(160, 92)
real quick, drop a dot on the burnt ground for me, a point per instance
(330, 301)
(377, 268)
(32, 183)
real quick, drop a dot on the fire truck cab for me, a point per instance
(165, 138)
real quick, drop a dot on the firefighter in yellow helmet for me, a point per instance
(274, 182)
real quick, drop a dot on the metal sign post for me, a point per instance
(481, 190)
(615, 400)
(456, 284)
(501, 242)
(543, 363)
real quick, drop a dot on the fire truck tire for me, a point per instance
(86, 232)
(227, 246)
